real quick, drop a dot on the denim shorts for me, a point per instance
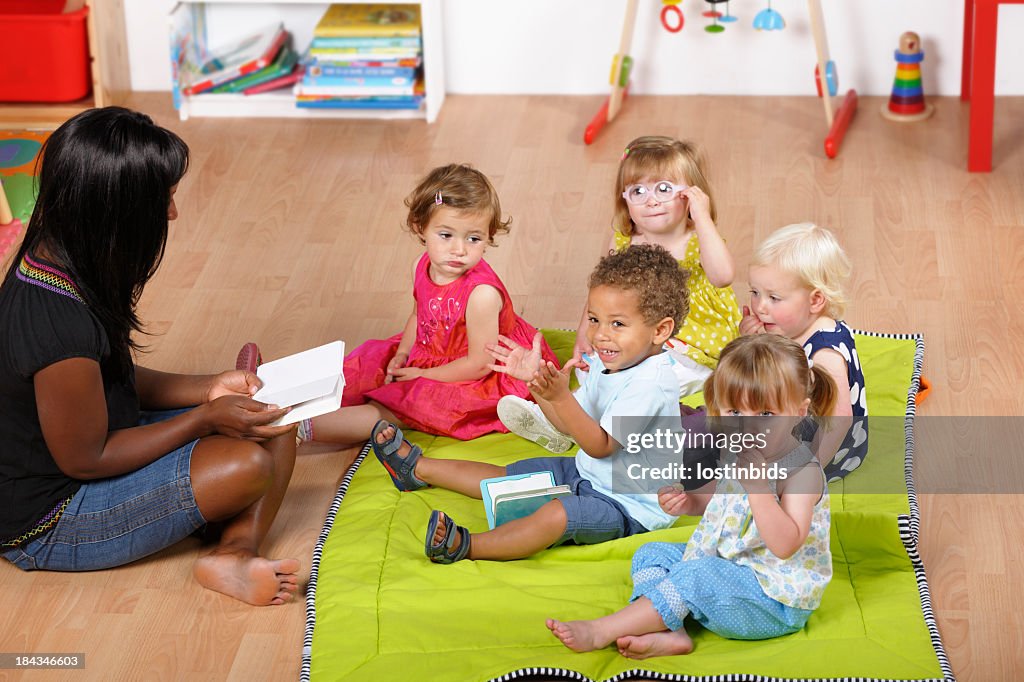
(114, 521)
(591, 517)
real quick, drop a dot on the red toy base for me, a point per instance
(840, 123)
(600, 119)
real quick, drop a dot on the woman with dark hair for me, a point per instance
(99, 463)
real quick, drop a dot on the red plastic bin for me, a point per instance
(44, 53)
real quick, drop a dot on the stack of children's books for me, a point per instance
(364, 56)
(259, 62)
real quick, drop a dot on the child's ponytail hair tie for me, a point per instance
(625, 153)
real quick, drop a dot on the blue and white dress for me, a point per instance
(854, 447)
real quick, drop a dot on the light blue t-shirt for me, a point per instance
(647, 390)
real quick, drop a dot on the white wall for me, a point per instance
(565, 46)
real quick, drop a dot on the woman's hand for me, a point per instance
(750, 324)
(516, 361)
(234, 382)
(550, 383)
(396, 363)
(242, 417)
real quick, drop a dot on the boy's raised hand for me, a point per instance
(550, 383)
(750, 324)
(516, 361)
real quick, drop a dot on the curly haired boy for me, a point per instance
(637, 298)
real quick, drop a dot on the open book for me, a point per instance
(507, 498)
(310, 382)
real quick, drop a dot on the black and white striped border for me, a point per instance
(912, 524)
(314, 571)
(736, 677)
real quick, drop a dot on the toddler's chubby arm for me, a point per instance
(482, 310)
(714, 254)
(834, 363)
(550, 387)
(827, 441)
(675, 501)
(783, 521)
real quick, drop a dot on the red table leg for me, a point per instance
(982, 86)
(965, 64)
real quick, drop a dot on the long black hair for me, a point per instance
(104, 190)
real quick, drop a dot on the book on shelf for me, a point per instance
(252, 53)
(386, 102)
(276, 84)
(324, 72)
(377, 20)
(310, 382)
(283, 65)
(305, 89)
(318, 67)
(364, 42)
(393, 82)
(331, 54)
(308, 88)
(507, 498)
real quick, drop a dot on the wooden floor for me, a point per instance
(290, 235)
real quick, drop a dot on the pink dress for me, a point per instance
(462, 409)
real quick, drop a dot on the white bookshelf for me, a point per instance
(227, 20)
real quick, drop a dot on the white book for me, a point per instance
(310, 382)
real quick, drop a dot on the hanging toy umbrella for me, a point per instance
(769, 20)
(728, 18)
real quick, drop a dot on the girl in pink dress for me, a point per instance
(436, 375)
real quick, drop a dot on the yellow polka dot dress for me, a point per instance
(714, 318)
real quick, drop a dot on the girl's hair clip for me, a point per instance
(437, 198)
(810, 363)
(625, 154)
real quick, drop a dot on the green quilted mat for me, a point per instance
(378, 610)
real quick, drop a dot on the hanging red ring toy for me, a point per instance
(665, 11)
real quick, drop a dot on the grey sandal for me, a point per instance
(399, 468)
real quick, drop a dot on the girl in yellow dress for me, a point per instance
(662, 197)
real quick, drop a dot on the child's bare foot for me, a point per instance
(252, 579)
(665, 643)
(578, 635)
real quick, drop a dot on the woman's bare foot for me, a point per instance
(252, 579)
(667, 643)
(579, 635)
